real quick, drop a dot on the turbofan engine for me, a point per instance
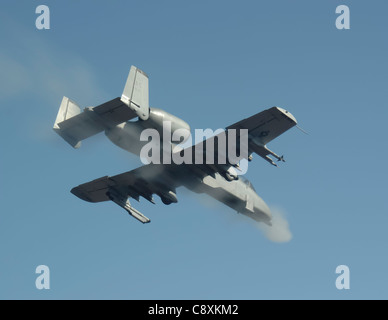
(160, 119)
(127, 134)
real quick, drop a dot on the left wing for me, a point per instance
(262, 128)
(144, 181)
(265, 127)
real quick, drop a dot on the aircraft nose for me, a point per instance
(268, 215)
(264, 211)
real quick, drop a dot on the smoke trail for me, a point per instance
(280, 231)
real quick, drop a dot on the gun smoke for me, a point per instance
(280, 230)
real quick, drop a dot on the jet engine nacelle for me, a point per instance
(158, 117)
(169, 197)
(127, 134)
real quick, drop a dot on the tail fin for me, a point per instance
(67, 110)
(135, 94)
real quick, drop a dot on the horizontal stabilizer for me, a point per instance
(74, 126)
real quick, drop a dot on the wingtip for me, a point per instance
(78, 192)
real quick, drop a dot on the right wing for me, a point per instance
(143, 181)
(73, 125)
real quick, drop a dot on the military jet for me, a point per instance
(124, 118)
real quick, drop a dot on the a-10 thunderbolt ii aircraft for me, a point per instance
(220, 181)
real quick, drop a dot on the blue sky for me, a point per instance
(212, 64)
